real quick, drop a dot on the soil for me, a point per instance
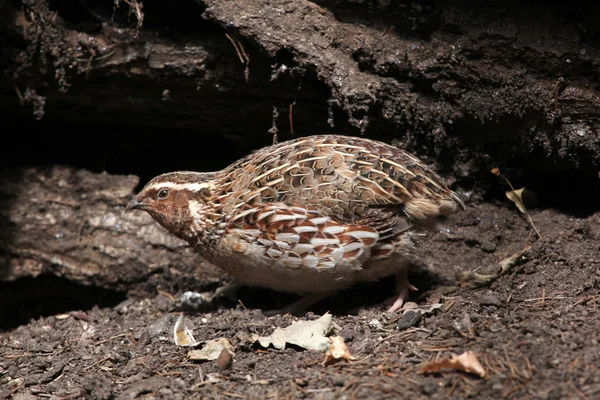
(535, 330)
(97, 99)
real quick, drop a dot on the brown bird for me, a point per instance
(310, 216)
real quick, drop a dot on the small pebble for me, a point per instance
(409, 318)
(488, 247)
(491, 299)
(347, 334)
(429, 388)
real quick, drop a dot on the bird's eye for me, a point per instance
(162, 194)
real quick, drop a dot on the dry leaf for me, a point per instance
(516, 196)
(337, 351)
(310, 335)
(212, 350)
(508, 263)
(474, 280)
(182, 336)
(466, 362)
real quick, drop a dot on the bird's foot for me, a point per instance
(403, 288)
(230, 291)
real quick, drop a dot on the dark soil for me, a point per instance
(536, 330)
(89, 296)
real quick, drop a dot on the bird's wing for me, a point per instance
(353, 180)
(302, 237)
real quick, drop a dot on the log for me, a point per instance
(476, 86)
(70, 223)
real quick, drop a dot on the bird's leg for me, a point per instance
(230, 291)
(299, 307)
(403, 287)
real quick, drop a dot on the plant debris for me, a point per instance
(466, 362)
(212, 350)
(337, 351)
(516, 196)
(310, 335)
(182, 336)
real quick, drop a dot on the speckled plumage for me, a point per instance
(311, 215)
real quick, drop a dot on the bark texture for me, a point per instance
(70, 224)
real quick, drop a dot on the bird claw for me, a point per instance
(403, 289)
(229, 291)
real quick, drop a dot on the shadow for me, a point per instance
(46, 295)
(349, 301)
(9, 191)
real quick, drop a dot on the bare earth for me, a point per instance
(535, 330)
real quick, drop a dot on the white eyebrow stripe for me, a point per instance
(194, 187)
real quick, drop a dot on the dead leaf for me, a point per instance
(212, 350)
(310, 335)
(516, 196)
(474, 280)
(522, 197)
(508, 263)
(337, 351)
(466, 362)
(182, 336)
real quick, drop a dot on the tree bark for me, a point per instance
(71, 224)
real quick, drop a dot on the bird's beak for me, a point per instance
(134, 204)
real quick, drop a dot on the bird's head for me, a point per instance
(179, 201)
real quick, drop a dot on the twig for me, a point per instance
(88, 68)
(496, 172)
(585, 299)
(235, 46)
(544, 298)
(19, 95)
(73, 204)
(577, 391)
(543, 294)
(132, 338)
(111, 338)
(167, 295)
(96, 363)
(291, 120)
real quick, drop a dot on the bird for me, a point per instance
(311, 216)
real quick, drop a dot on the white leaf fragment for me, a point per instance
(310, 335)
(211, 350)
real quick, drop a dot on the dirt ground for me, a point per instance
(100, 96)
(536, 330)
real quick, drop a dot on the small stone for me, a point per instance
(257, 315)
(491, 299)
(409, 318)
(429, 388)
(347, 334)
(488, 246)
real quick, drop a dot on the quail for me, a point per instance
(310, 216)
